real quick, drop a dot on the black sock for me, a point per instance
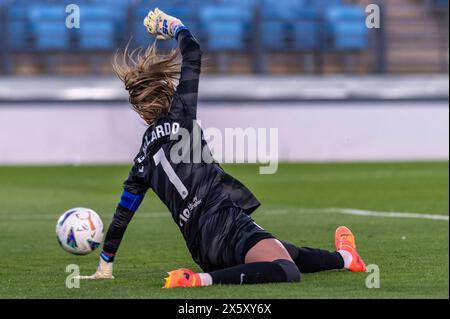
(310, 260)
(257, 273)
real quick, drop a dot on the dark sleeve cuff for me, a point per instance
(180, 30)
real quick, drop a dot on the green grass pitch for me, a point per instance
(412, 254)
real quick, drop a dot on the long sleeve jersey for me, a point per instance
(176, 163)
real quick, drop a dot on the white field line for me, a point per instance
(359, 212)
(345, 211)
(4, 217)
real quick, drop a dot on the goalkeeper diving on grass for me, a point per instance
(211, 208)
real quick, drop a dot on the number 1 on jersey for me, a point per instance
(160, 158)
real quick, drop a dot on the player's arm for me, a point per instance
(130, 200)
(133, 193)
(187, 89)
(166, 27)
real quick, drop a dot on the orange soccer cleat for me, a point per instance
(345, 240)
(182, 278)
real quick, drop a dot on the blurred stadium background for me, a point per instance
(309, 67)
(256, 36)
(335, 90)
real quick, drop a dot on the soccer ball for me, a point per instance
(79, 231)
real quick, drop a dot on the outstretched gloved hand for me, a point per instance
(162, 25)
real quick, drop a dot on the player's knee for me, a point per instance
(290, 269)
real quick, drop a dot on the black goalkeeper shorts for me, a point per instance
(225, 238)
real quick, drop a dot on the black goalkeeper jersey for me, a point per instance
(178, 167)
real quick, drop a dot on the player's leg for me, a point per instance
(235, 250)
(310, 260)
(260, 260)
(266, 262)
(269, 249)
(265, 259)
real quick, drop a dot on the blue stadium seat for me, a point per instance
(101, 12)
(99, 27)
(110, 3)
(278, 20)
(242, 3)
(17, 35)
(351, 37)
(285, 9)
(274, 26)
(306, 30)
(167, 5)
(323, 5)
(227, 27)
(97, 35)
(225, 13)
(47, 25)
(226, 36)
(274, 34)
(49, 35)
(17, 20)
(347, 27)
